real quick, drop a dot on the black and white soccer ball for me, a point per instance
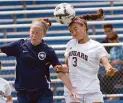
(64, 13)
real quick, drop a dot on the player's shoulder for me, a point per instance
(94, 42)
(47, 47)
(21, 41)
(71, 42)
(17, 42)
(24, 40)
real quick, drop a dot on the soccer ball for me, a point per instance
(64, 13)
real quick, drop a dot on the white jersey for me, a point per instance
(83, 62)
(5, 89)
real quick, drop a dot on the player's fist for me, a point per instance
(62, 68)
(74, 94)
(58, 68)
(111, 71)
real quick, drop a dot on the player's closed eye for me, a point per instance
(36, 33)
(75, 29)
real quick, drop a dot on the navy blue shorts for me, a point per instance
(35, 97)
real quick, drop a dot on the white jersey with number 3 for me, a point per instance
(83, 62)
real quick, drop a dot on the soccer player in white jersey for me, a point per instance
(5, 90)
(83, 56)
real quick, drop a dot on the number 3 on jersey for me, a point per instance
(74, 61)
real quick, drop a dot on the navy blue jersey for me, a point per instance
(32, 69)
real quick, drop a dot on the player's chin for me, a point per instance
(77, 38)
(35, 42)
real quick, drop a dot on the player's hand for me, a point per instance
(74, 94)
(58, 68)
(111, 71)
(62, 68)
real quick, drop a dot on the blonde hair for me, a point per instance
(44, 23)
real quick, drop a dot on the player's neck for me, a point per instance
(36, 43)
(81, 41)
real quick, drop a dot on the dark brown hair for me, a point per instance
(96, 16)
(108, 26)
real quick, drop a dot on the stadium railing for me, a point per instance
(52, 10)
(104, 3)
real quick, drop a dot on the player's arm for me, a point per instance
(9, 99)
(12, 48)
(8, 91)
(66, 63)
(66, 81)
(57, 66)
(64, 68)
(109, 69)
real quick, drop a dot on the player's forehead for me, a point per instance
(36, 28)
(107, 29)
(75, 25)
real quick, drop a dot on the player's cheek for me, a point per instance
(30, 35)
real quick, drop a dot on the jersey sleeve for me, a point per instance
(8, 90)
(67, 50)
(101, 52)
(54, 58)
(11, 49)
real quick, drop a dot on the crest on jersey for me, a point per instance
(41, 55)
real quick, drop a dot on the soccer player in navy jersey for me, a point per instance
(33, 58)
